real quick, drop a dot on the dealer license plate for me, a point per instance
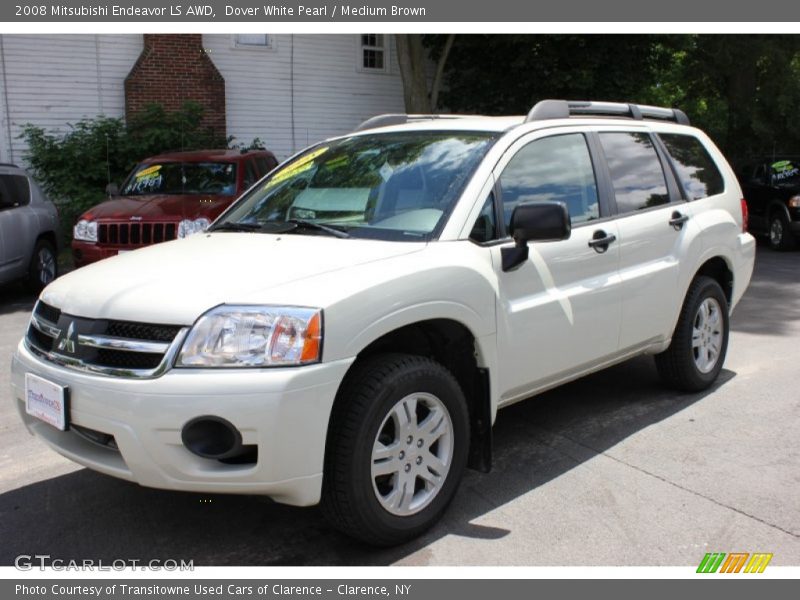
(46, 401)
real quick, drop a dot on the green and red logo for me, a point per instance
(735, 562)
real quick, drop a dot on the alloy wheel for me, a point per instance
(412, 454)
(707, 335)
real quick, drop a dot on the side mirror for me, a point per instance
(112, 189)
(546, 221)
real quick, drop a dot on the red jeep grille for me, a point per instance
(135, 234)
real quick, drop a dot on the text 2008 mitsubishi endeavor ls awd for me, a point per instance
(346, 331)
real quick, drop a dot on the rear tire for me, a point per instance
(700, 340)
(397, 448)
(43, 268)
(780, 238)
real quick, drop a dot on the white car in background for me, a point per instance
(347, 330)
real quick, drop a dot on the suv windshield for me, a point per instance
(182, 178)
(392, 186)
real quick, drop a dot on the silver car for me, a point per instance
(29, 237)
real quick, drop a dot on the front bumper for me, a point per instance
(283, 411)
(85, 253)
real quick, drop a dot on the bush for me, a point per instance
(74, 168)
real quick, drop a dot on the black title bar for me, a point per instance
(398, 11)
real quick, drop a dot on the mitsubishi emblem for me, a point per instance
(67, 342)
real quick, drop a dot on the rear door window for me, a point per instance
(635, 169)
(697, 172)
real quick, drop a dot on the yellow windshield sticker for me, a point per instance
(295, 168)
(150, 171)
(337, 162)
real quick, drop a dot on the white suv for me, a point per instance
(347, 330)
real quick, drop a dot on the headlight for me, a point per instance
(85, 231)
(188, 227)
(794, 202)
(254, 336)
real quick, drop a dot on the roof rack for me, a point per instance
(9, 165)
(388, 120)
(563, 109)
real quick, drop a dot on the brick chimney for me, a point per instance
(171, 70)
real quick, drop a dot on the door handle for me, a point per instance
(677, 220)
(601, 240)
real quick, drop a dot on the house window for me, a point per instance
(373, 52)
(253, 40)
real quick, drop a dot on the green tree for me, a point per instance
(412, 59)
(743, 90)
(508, 74)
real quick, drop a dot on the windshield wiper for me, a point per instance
(298, 223)
(234, 226)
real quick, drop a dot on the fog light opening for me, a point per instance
(248, 455)
(212, 437)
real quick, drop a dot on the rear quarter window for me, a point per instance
(697, 172)
(14, 191)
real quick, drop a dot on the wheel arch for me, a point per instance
(777, 206)
(49, 236)
(452, 344)
(720, 270)
(715, 264)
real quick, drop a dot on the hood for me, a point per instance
(159, 207)
(175, 282)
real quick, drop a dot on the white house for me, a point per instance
(287, 90)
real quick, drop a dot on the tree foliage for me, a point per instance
(744, 90)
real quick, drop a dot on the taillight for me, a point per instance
(745, 216)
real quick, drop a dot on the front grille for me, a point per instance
(120, 359)
(135, 234)
(39, 338)
(121, 348)
(142, 331)
(47, 312)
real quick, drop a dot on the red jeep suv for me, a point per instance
(167, 197)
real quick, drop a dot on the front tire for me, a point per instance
(780, 238)
(397, 449)
(43, 268)
(700, 340)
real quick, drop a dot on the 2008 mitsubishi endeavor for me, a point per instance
(347, 330)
